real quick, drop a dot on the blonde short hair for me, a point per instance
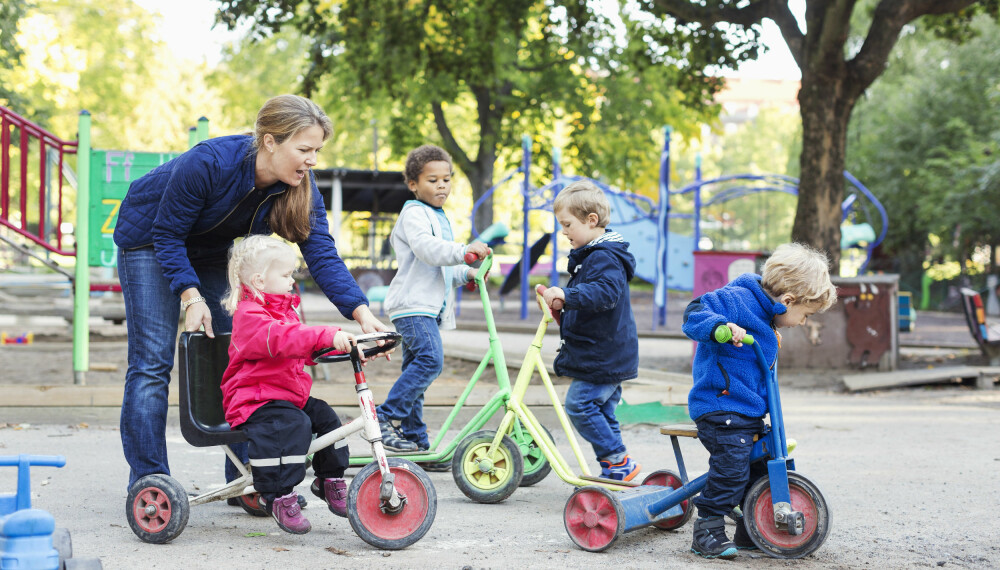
(252, 255)
(802, 272)
(582, 198)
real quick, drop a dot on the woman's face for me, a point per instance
(292, 159)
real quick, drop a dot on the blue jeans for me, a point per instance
(591, 408)
(728, 437)
(423, 359)
(152, 313)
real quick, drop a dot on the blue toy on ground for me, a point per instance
(29, 539)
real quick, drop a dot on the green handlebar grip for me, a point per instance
(723, 335)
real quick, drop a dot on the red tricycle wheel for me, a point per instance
(157, 508)
(594, 518)
(667, 478)
(388, 530)
(806, 498)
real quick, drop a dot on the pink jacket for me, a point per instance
(268, 351)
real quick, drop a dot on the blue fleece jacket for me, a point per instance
(727, 378)
(599, 339)
(189, 196)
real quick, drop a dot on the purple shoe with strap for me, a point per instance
(288, 514)
(334, 492)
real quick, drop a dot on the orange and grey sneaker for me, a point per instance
(624, 471)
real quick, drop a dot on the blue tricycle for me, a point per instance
(785, 514)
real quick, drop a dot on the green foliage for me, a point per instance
(926, 141)
(11, 12)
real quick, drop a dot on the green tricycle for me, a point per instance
(518, 454)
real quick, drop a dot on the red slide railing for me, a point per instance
(33, 205)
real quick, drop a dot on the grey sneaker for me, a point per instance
(393, 440)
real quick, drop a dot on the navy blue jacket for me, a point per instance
(727, 378)
(195, 192)
(599, 341)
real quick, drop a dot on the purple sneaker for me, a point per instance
(334, 492)
(288, 514)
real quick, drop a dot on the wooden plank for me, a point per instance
(680, 430)
(898, 378)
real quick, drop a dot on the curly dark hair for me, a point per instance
(419, 157)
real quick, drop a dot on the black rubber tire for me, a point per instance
(252, 505)
(759, 518)
(63, 544)
(536, 465)
(500, 481)
(157, 508)
(392, 531)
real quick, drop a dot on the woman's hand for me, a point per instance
(197, 314)
(369, 324)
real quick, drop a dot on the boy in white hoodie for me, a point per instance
(422, 294)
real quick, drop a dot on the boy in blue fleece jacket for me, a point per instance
(599, 347)
(729, 397)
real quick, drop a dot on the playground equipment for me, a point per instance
(391, 503)
(481, 467)
(519, 453)
(665, 258)
(28, 537)
(102, 178)
(785, 514)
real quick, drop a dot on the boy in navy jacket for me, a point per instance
(729, 397)
(599, 346)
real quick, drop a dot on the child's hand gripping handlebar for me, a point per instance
(331, 355)
(555, 309)
(723, 335)
(472, 258)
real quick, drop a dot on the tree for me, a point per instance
(836, 68)
(11, 13)
(478, 73)
(926, 140)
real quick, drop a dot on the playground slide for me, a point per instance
(513, 278)
(640, 229)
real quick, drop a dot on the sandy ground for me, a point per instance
(909, 476)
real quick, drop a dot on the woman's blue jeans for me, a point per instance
(152, 314)
(591, 408)
(423, 359)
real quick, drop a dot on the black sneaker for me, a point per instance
(435, 466)
(393, 441)
(710, 540)
(741, 538)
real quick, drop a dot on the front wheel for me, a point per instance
(667, 478)
(157, 508)
(384, 528)
(487, 477)
(758, 516)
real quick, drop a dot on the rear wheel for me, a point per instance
(594, 518)
(667, 478)
(252, 505)
(487, 477)
(536, 465)
(157, 508)
(375, 522)
(758, 516)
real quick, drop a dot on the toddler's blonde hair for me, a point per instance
(248, 257)
(582, 198)
(802, 272)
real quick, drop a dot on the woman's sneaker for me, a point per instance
(334, 492)
(710, 540)
(288, 514)
(624, 471)
(393, 440)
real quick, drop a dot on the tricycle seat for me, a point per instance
(202, 362)
(680, 430)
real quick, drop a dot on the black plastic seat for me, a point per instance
(202, 361)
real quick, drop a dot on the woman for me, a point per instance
(175, 227)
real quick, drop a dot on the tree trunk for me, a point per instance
(825, 107)
(482, 180)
